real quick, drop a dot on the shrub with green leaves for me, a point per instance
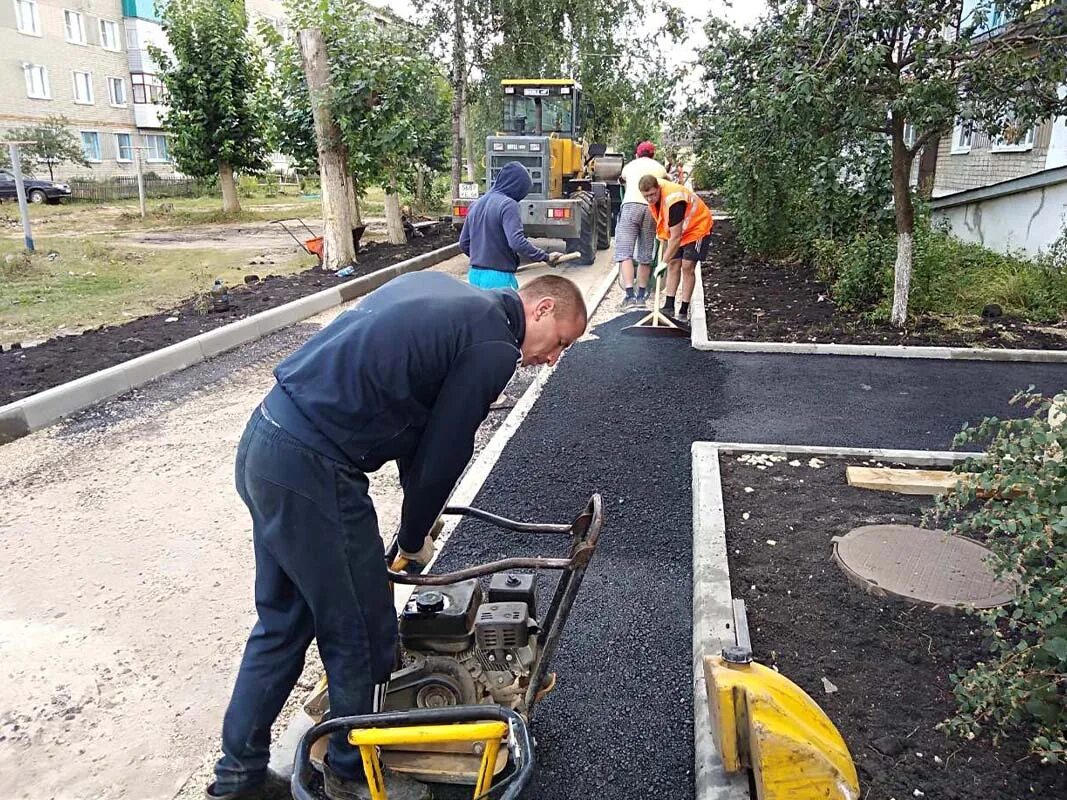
(1017, 505)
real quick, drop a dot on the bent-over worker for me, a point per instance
(492, 235)
(635, 233)
(405, 376)
(683, 223)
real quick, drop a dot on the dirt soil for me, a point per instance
(26, 371)
(749, 299)
(889, 660)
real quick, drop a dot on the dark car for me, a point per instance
(37, 191)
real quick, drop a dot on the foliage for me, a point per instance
(837, 85)
(214, 85)
(950, 277)
(53, 144)
(1018, 504)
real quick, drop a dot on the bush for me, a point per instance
(949, 277)
(1016, 504)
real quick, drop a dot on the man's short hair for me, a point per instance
(648, 182)
(568, 297)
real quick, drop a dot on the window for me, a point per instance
(74, 27)
(123, 147)
(91, 145)
(131, 38)
(156, 145)
(109, 35)
(26, 17)
(116, 90)
(37, 82)
(909, 134)
(83, 87)
(1012, 139)
(146, 88)
(962, 135)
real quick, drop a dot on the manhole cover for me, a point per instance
(928, 566)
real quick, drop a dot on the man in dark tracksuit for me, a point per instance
(407, 375)
(492, 235)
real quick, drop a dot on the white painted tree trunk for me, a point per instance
(901, 280)
(392, 216)
(333, 166)
(231, 203)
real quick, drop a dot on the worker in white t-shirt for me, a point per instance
(635, 234)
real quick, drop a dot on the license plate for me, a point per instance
(468, 191)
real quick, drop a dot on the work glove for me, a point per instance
(553, 259)
(424, 554)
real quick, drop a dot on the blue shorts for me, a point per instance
(492, 279)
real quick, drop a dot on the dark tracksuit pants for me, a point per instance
(320, 573)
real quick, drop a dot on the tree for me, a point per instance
(215, 83)
(53, 144)
(896, 75)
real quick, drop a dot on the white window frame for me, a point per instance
(118, 148)
(148, 150)
(131, 33)
(114, 27)
(35, 17)
(68, 15)
(957, 131)
(998, 145)
(45, 85)
(111, 92)
(99, 147)
(909, 134)
(74, 73)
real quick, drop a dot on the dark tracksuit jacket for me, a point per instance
(408, 375)
(492, 234)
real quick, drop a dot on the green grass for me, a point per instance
(92, 282)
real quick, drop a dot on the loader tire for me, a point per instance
(603, 212)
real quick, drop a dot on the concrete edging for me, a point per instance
(45, 408)
(712, 598)
(700, 341)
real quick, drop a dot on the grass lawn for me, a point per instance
(92, 282)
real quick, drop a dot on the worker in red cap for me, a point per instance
(635, 233)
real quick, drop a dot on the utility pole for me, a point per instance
(459, 93)
(140, 177)
(20, 190)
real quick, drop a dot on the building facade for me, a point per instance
(90, 62)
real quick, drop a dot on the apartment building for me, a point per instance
(90, 61)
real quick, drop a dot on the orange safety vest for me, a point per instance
(697, 222)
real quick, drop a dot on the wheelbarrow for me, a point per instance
(313, 246)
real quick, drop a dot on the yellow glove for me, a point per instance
(424, 554)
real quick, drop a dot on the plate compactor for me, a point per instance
(473, 661)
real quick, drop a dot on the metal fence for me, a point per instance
(125, 188)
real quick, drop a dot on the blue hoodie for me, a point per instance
(492, 235)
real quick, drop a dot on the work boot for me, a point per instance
(273, 787)
(397, 786)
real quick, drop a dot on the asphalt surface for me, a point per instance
(619, 417)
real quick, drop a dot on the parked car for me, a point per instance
(37, 191)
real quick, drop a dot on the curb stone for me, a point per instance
(51, 405)
(700, 341)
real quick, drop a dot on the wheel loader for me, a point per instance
(576, 190)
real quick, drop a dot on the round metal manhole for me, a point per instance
(932, 567)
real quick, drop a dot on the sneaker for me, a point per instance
(628, 301)
(682, 316)
(641, 301)
(667, 311)
(397, 786)
(273, 787)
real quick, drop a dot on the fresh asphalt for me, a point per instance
(618, 417)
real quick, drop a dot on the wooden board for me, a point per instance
(903, 481)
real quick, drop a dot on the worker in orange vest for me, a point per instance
(683, 226)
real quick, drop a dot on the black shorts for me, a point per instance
(695, 251)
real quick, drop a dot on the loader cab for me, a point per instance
(542, 108)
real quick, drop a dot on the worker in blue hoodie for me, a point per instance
(492, 235)
(407, 376)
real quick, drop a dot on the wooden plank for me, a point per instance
(903, 481)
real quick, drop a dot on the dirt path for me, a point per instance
(125, 580)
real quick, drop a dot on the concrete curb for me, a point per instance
(712, 611)
(712, 622)
(45, 408)
(700, 341)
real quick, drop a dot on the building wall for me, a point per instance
(52, 50)
(983, 165)
(1027, 221)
